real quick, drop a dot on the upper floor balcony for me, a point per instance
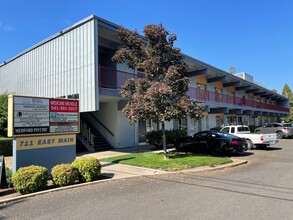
(115, 79)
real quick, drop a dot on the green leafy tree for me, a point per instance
(288, 94)
(3, 114)
(274, 90)
(160, 95)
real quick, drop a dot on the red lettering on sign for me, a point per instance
(60, 105)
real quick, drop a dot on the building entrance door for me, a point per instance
(199, 125)
(142, 130)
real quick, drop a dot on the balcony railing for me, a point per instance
(210, 96)
(114, 79)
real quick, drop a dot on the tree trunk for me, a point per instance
(164, 141)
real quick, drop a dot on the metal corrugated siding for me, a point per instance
(62, 66)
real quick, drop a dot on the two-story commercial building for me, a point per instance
(76, 63)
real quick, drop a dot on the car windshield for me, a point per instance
(287, 125)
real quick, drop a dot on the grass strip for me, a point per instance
(175, 162)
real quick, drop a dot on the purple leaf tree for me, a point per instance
(160, 95)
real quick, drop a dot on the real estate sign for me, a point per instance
(35, 115)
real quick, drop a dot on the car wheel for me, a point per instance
(257, 131)
(279, 135)
(249, 144)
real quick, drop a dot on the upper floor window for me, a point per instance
(201, 86)
(218, 90)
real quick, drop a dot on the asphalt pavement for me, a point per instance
(262, 189)
(114, 171)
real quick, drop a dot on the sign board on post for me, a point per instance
(33, 115)
(43, 130)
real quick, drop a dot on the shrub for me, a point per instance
(89, 168)
(156, 138)
(171, 135)
(30, 179)
(6, 146)
(9, 177)
(252, 128)
(63, 174)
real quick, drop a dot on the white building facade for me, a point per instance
(76, 63)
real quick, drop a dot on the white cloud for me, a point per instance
(8, 27)
(67, 22)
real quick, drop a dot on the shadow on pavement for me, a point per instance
(270, 148)
(242, 154)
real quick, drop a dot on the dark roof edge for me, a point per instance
(205, 65)
(110, 25)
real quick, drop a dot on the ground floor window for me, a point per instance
(232, 120)
(149, 125)
(240, 122)
(182, 123)
(219, 121)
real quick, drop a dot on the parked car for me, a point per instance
(283, 130)
(252, 139)
(214, 142)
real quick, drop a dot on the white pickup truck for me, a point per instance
(252, 139)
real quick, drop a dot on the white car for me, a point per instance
(252, 139)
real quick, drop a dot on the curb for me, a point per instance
(236, 162)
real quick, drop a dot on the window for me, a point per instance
(226, 130)
(268, 125)
(219, 121)
(201, 86)
(232, 130)
(201, 135)
(242, 129)
(232, 120)
(149, 125)
(182, 123)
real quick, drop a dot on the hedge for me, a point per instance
(155, 137)
(6, 146)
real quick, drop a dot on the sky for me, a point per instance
(254, 36)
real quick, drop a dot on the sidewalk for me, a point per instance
(112, 171)
(121, 171)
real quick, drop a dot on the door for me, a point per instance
(199, 125)
(200, 141)
(142, 130)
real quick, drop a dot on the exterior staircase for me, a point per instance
(100, 143)
(91, 138)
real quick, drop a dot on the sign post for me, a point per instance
(3, 181)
